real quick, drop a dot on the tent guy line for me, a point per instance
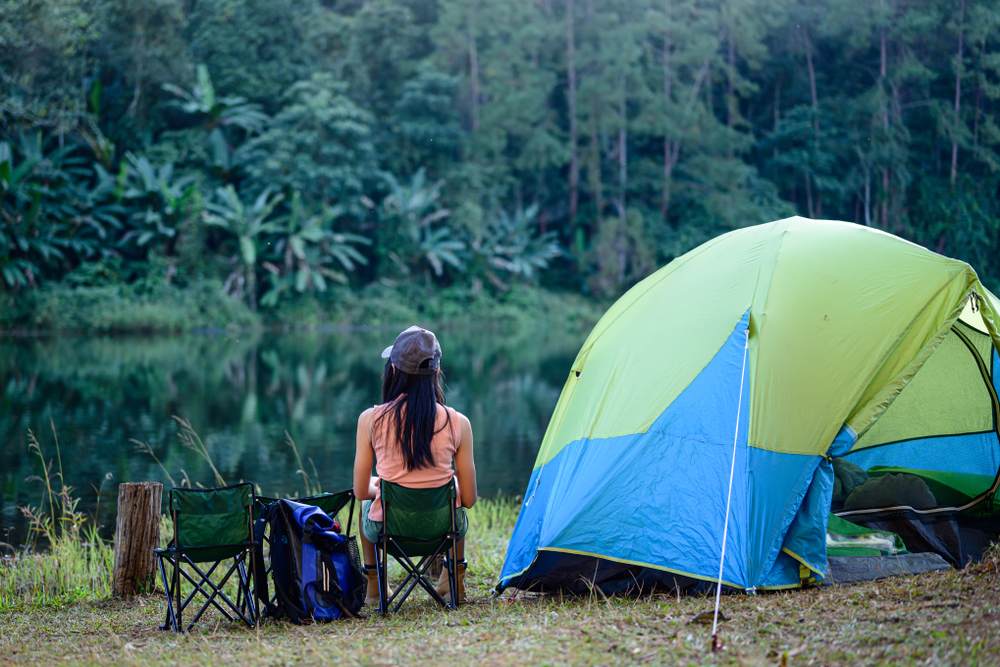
(729, 494)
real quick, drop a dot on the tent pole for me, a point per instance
(729, 495)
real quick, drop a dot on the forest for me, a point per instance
(263, 154)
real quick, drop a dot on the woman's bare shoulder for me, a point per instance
(459, 417)
(366, 415)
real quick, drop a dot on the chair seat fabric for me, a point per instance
(372, 528)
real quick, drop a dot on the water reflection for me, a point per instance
(242, 393)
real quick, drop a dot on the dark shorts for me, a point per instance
(371, 528)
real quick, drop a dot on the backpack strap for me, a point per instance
(259, 567)
(350, 516)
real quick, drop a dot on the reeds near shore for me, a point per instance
(65, 559)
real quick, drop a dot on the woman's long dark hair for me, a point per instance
(411, 411)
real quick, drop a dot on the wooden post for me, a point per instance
(137, 532)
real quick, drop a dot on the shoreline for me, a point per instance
(115, 311)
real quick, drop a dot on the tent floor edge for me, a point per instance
(578, 574)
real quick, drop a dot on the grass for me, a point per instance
(55, 606)
(76, 562)
(939, 618)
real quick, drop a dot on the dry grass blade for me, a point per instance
(35, 447)
(190, 439)
(145, 448)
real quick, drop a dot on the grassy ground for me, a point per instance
(941, 618)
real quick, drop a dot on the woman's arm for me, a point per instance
(465, 464)
(363, 458)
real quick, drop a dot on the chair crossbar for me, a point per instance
(218, 592)
(242, 610)
(198, 589)
(415, 574)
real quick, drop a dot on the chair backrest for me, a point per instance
(212, 524)
(331, 503)
(415, 516)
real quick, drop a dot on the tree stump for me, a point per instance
(137, 533)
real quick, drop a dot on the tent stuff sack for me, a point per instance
(847, 539)
(315, 570)
(834, 368)
(856, 553)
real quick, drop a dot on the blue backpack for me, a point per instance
(315, 570)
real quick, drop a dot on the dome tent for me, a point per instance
(781, 350)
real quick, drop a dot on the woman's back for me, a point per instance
(390, 463)
(413, 439)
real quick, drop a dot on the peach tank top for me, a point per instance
(389, 462)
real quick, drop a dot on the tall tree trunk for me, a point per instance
(776, 105)
(731, 84)
(594, 164)
(810, 209)
(958, 92)
(251, 286)
(672, 146)
(975, 117)
(623, 153)
(868, 197)
(473, 69)
(811, 70)
(814, 210)
(883, 70)
(668, 166)
(133, 107)
(574, 161)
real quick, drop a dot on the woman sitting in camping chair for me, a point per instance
(414, 440)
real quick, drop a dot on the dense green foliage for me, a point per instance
(273, 148)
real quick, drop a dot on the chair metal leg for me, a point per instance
(252, 588)
(452, 571)
(251, 605)
(179, 609)
(452, 583)
(382, 573)
(169, 622)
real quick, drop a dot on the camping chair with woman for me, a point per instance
(425, 477)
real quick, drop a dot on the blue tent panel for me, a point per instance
(996, 370)
(973, 453)
(605, 497)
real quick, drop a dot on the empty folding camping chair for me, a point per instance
(211, 527)
(417, 523)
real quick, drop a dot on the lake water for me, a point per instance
(242, 393)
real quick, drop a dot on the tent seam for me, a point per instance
(925, 352)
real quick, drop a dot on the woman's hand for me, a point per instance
(364, 457)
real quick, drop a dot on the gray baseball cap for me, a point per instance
(413, 348)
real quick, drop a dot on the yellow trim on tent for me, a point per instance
(781, 587)
(803, 562)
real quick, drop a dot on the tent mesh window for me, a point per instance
(929, 469)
